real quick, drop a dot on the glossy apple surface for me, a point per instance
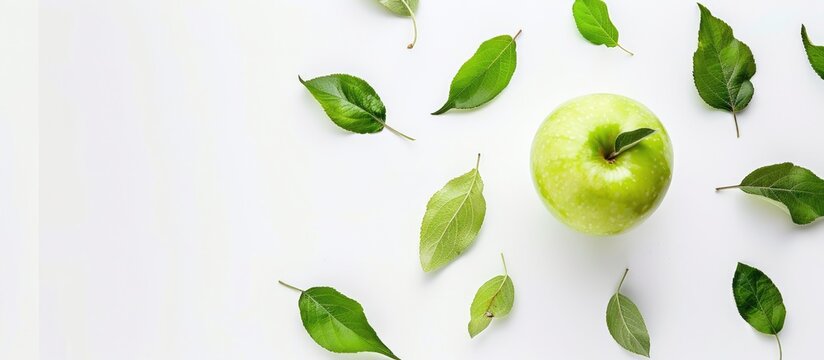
(578, 183)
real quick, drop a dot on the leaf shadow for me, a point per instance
(317, 114)
(464, 112)
(459, 112)
(773, 212)
(376, 8)
(497, 325)
(430, 276)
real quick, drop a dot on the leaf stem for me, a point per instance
(414, 25)
(780, 351)
(622, 281)
(478, 161)
(727, 187)
(517, 34)
(506, 272)
(627, 51)
(407, 137)
(289, 286)
(396, 132)
(735, 118)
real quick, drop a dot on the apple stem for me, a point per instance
(727, 187)
(735, 118)
(478, 162)
(614, 154)
(627, 51)
(289, 286)
(414, 25)
(517, 34)
(622, 281)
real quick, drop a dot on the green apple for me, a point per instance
(581, 183)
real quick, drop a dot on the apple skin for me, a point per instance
(579, 185)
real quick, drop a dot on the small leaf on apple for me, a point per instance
(722, 67)
(404, 8)
(814, 52)
(625, 323)
(592, 20)
(351, 103)
(337, 323)
(799, 189)
(494, 299)
(627, 140)
(453, 218)
(759, 302)
(484, 75)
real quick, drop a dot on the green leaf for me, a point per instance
(625, 323)
(814, 53)
(404, 8)
(350, 102)
(452, 220)
(801, 191)
(494, 299)
(627, 140)
(484, 75)
(337, 323)
(592, 20)
(722, 66)
(758, 300)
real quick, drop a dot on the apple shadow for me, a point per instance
(582, 251)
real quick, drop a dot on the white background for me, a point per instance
(18, 179)
(184, 169)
